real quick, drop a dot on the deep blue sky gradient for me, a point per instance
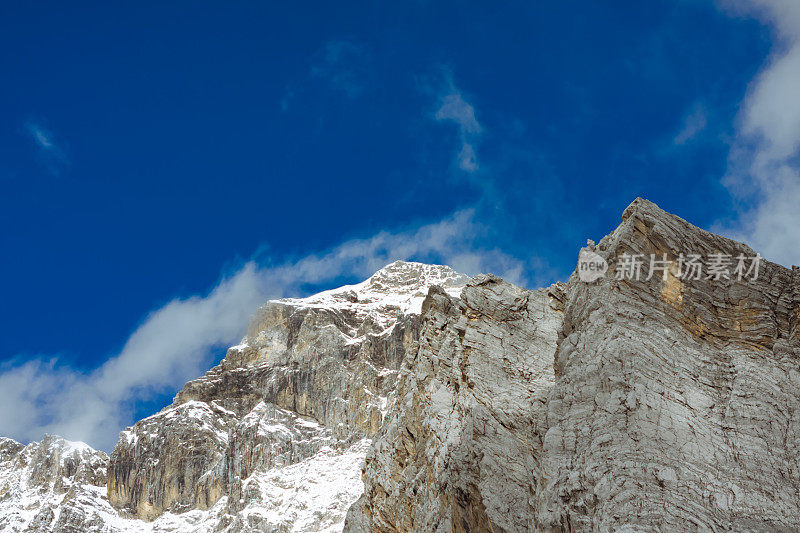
(190, 136)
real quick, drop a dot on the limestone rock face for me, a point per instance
(456, 453)
(312, 375)
(676, 403)
(668, 403)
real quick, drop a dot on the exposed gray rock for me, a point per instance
(174, 459)
(671, 404)
(456, 455)
(677, 401)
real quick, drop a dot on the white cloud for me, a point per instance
(764, 158)
(454, 108)
(466, 158)
(41, 137)
(693, 123)
(51, 154)
(176, 342)
(345, 65)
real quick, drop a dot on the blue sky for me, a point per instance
(151, 155)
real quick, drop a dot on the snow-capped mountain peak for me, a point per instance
(396, 289)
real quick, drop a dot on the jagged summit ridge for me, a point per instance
(396, 289)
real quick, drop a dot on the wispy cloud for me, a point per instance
(764, 171)
(344, 65)
(176, 342)
(453, 107)
(51, 154)
(693, 124)
(340, 66)
(41, 137)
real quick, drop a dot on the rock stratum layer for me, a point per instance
(421, 400)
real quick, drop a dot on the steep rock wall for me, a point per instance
(456, 454)
(671, 404)
(677, 401)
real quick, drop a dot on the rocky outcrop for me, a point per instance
(677, 400)
(456, 453)
(45, 485)
(311, 373)
(669, 403)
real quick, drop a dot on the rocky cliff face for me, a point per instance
(420, 400)
(667, 404)
(457, 452)
(676, 403)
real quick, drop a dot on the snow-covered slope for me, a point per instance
(396, 289)
(57, 485)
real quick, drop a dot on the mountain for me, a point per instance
(271, 439)
(423, 400)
